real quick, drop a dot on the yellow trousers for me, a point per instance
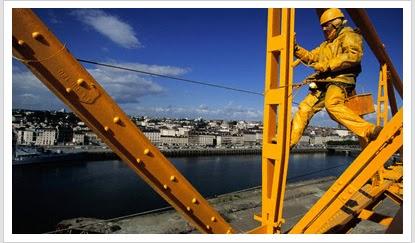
(333, 100)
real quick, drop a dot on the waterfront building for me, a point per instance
(231, 140)
(258, 136)
(174, 140)
(92, 138)
(168, 132)
(79, 138)
(202, 139)
(249, 138)
(25, 136)
(317, 140)
(332, 138)
(153, 135)
(183, 131)
(342, 132)
(304, 141)
(45, 136)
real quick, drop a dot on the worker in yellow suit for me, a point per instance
(337, 62)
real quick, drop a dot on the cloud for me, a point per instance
(124, 87)
(110, 26)
(202, 110)
(29, 93)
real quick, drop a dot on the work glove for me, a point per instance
(321, 67)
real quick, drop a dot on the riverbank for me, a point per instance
(237, 208)
(99, 153)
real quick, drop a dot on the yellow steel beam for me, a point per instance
(363, 22)
(381, 112)
(382, 103)
(277, 117)
(52, 63)
(371, 159)
(342, 220)
(375, 217)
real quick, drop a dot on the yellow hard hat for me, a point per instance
(330, 14)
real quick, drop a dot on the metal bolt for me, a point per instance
(146, 151)
(334, 189)
(106, 128)
(116, 119)
(213, 219)
(208, 227)
(172, 178)
(188, 209)
(36, 35)
(80, 81)
(21, 42)
(194, 200)
(229, 231)
(138, 161)
(165, 187)
(68, 90)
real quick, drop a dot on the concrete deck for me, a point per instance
(237, 208)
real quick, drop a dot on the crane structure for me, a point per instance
(366, 182)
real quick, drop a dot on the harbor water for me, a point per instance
(45, 194)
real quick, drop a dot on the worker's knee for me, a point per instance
(306, 106)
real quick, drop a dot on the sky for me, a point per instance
(221, 46)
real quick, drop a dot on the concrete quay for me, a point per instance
(237, 208)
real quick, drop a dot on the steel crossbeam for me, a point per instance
(370, 160)
(51, 62)
(277, 118)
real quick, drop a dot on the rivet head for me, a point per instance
(146, 151)
(68, 90)
(36, 35)
(138, 161)
(172, 178)
(80, 81)
(229, 231)
(350, 191)
(165, 187)
(194, 200)
(208, 227)
(21, 42)
(106, 128)
(116, 119)
(213, 219)
(188, 209)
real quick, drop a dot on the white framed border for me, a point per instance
(7, 199)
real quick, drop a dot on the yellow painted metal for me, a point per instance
(370, 160)
(52, 63)
(382, 103)
(363, 198)
(382, 112)
(375, 217)
(277, 117)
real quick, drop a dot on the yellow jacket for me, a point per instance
(339, 60)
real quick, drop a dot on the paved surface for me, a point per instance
(238, 209)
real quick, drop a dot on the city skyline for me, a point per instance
(224, 46)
